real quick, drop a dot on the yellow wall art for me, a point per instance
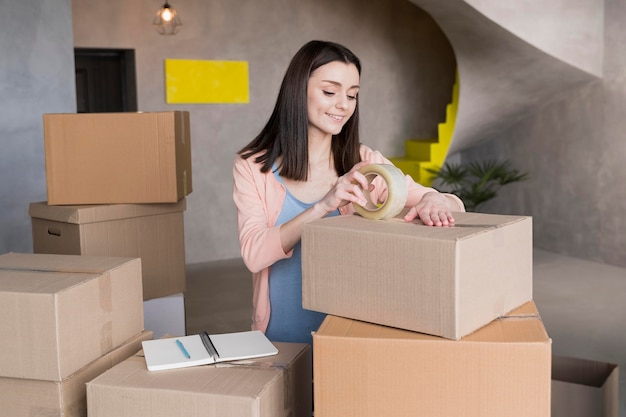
(203, 81)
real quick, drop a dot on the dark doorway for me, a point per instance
(105, 80)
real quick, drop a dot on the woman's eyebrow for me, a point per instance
(337, 83)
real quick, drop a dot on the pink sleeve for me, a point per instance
(257, 209)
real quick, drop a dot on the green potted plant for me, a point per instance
(478, 181)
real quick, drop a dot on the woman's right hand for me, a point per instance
(348, 189)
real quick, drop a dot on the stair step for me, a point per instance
(419, 149)
(451, 113)
(445, 134)
(415, 169)
(422, 154)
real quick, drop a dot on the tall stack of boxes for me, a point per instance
(109, 252)
(64, 319)
(116, 186)
(108, 240)
(425, 321)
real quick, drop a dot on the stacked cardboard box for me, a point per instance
(116, 186)
(444, 281)
(424, 320)
(117, 158)
(364, 369)
(64, 319)
(265, 387)
(152, 232)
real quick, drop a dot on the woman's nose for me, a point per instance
(342, 103)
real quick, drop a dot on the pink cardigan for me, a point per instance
(259, 198)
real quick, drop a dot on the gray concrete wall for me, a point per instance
(36, 77)
(570, 30)
(406, 82)
(574, 149)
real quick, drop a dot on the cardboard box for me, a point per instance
(583, 388)
(363, 369)
(58, 313)
(444, 281)
(153, 232)
(100, 158)
(67, 398)
(275, 386)
(165, 315)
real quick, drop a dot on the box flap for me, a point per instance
(61, 263)
(36, 282)
(528, 309)
(467, 225)
(233, 381)
(183, 158)
(83, 214)
(581, 371)
(582, 387)
(522, 326)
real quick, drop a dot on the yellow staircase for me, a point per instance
(421, 154)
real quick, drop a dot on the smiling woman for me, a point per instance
(331, 99)
(304, 165)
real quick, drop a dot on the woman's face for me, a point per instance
(331, 98)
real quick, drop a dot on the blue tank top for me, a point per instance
(289, 322)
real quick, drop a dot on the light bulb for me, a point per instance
(166, 21)
(166, 14)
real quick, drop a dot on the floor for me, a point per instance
(582, 303)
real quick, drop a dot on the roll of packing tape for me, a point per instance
(397, 192)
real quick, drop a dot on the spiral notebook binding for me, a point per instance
(208, 344)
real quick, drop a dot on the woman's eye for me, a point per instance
(351, 97)
(328, 93)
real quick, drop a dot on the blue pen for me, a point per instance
(182, 348)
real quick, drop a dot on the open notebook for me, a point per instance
(203, 349)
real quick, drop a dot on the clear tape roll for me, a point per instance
(397, 192)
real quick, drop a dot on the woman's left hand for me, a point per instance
(432, 210)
